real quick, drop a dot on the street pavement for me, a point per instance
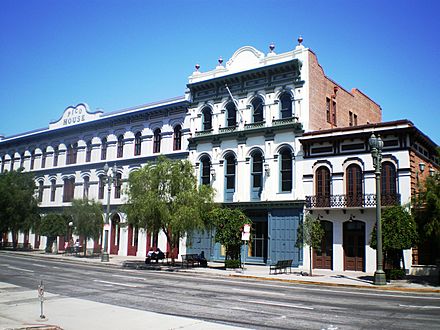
(19, 308)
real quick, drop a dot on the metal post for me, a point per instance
(104, 255)
(41, 297)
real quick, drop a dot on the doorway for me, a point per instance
(323, 257)
(354, 245)
(114, 236)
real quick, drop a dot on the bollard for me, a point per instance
(41, 297)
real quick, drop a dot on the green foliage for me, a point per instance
(18, 206)
(398, 229)
(426, 210)
(232, 263)
(228, 224)
(310, 233)
(53, 225)
(164, 196)
(395, 274)
(87, 217)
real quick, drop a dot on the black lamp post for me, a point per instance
(110, 172)
(376, 145)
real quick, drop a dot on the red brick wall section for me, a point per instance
(417, 177)
(321, 87)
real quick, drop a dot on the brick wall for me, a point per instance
(321, 87)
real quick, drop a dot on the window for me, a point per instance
(285, 105)
(156, 141)
(231, 113)
(120, 150)
(88, 151)
(286, 170)
(230, 177)
(40, 191)
(103, 148)
(69, 189)
(101, 187)
(137, 143)
(21, 160)
(53, 190)
(322, 187)
(32, 161)
(55, 156)
(350, 118)
(354, 186)
(205, 170)
(72, 150)
(118, 185)
(334, 113)
(177, 138)
(257, 174)
(43, 159)
(388, 184)
(207, 119)
(257, 110)
(3, 164)
(86, 187)
(327, 109)
(355, 119)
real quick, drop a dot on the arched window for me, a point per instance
(231, 115)
(285, 105)
(101, 187)
(257, 110)
(53, 189)
(71, 153)
(207, 118)
(55, 156)
(229, 177)
(120, 149)
(177, 138)
(103, 148)
(156, 142)
(118, 185)
(89, 151)
(69, 189)
(43, 158)
(286, 170)
(137, 143)
(86, 187)
(354, 186)
(205, 170)
(32, 161)
(322, 186)
(21, 160)
(388, 184)
(40, 191)
(257, 174)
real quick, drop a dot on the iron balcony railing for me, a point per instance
(343, 201)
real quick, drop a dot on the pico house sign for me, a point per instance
(75, 115)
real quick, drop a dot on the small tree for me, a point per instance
(164, 196)
(87, 217)
(398, 233)
(228, 224)
(310, 233)
(53, 225)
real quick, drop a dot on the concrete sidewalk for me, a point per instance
(261, 272)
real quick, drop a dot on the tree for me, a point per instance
(18, 206)
(398, 233)
(163, 195)
(87, 217)
(310, 234)
(53, 225)
(228, 224)
(426, 212)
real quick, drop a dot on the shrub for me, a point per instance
(232, 263)
(395, 274)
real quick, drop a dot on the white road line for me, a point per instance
(22, 269)
(39, 265)
(424, 307)
(260, 292)
(130, 277)
(55, 267)
(268, 303)
(256, 311)
(115, 283)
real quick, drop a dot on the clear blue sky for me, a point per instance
(118, 54)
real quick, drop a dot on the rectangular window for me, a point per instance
(327, 109)
(69, 190)
(350, 118)
(355, 119)
(53, 189)
(334, 113)
(101, 187)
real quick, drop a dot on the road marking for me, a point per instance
(39, 265)
(260, 292)
(22, 269)
(55, 267)
(130, 277)
(256, 311)
(115, 283)
(415, 306)
(268, 303)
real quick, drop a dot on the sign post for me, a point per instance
(41, 297)
(245, 236)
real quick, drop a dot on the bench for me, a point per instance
(281, 266)
(190, 260)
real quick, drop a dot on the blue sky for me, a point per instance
(117, 54)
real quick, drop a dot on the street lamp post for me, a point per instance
(376, 145)
(110, 172)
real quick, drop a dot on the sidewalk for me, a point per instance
(261, 272)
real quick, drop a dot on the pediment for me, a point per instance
(245, 57)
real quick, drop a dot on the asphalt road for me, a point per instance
(239, 302)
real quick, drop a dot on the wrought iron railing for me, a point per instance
(254, 125)
(206, 132)
(227, 129)
(358, 200)
(290, 120)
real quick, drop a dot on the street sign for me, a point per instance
(245, 236)
(247, 228)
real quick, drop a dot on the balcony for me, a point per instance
(227, 129)
(255, 125)
(206, 132)
(346, 201)
(284, 121)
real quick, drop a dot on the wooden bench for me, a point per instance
(281, 267)
(190, 260)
